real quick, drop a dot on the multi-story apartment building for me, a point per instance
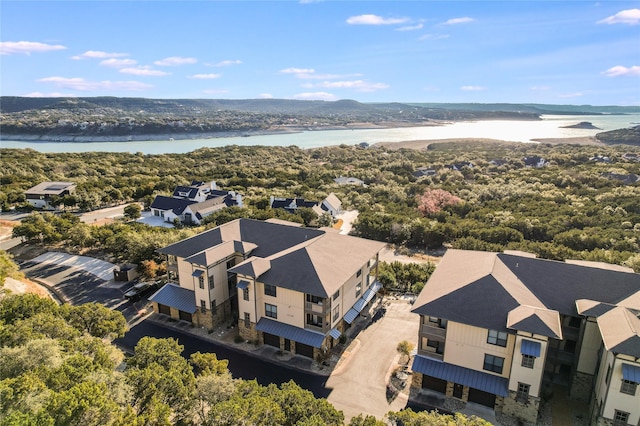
(497, 328)
(288, 286)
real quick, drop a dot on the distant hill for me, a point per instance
(630, 136)
(548, 109)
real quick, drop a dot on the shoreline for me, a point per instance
(277, 130)
(424, 144)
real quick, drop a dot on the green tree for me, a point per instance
(21, 306)
(95, 319)
(132, 211)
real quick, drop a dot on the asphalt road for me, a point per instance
(241, 364)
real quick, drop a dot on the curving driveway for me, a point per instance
(97, 267)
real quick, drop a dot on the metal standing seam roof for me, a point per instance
(299, 335)
(461, 375)
(350, 315)
(530, 348)
(335, 333)
(197, 273)
(242, 284)
(177, 297)
(631, 373)
(367, 296)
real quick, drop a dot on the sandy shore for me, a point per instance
(424, 144)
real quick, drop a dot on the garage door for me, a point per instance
(482, 397)
(185, 316)
(271, 340)
(435, 384)
(164, 309)
(305, 350)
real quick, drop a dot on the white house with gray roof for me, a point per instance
(498, 329)
(288, 286)
(41, 195)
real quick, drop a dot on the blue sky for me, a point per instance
(558, 52)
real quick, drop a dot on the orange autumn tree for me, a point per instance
(434, 200)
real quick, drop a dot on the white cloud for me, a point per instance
(375, 20)
(540, 88)
(473, 88)
(78, 83)
(455, 21)
(205, 76)
(49, 95)
(571, 95)
(95, 54)
(411, 27)
(144, 71)
(322, 96)
(359, 85)
(27, 47)
(297, 71)
(228, 63)
(619, 70)
(175, 61)
(265, 96)
(629, 16)
(433, 37)
(118, 63)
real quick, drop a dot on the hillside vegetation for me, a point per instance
(576, 206)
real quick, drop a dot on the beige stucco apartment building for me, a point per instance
(499, 328)
(285, 285)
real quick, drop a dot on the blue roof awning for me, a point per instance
(367, 296)
(242, 284)
(177, 297)
(461, 375)
(308, 337)
(530, 347)
(335, 333)
(350, 315)
(197, 273)
(631, 373)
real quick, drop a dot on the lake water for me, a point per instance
(517, 131)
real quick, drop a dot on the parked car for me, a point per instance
(140, 289)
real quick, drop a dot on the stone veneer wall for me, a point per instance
(209, 321)
(525, 411)
(247, 333)
(581, 387)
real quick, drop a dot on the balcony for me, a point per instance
(314, 327)
(317, 307)
(431, 354)
(430, 332)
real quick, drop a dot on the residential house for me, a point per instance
(190, 204)
(342, 180)
(459, 166)
(534, 161)
(631, 156)
(628, 179)
(424, 171)
(331, 205)
(287, 286)
(499, 329)
(41, 195)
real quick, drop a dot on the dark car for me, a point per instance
(140, 289)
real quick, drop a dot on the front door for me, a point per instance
(287, 345)
(457, 390)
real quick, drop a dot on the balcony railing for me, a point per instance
(318, 308)
(431, 354)
(433, 331)
(314, 327)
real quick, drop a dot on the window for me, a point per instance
(315, 299)
(171, 258)
(435, 346)
(359, 273)
(271, 311)
(201, 281)
(245, 293)
(620, 418)
(315, 320)
(203, 306)
(608, 376)
(574, 322)
(210, 282)
(493, 363)
(358, 289)
(247, 320)
(498, 338)
(231, 263)
(213, 307)
(570, 346)
(523, 392)
(336, 313)
(436, 322)
(270, 290)
(628, 387)
(336, 295)
(528, 361)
